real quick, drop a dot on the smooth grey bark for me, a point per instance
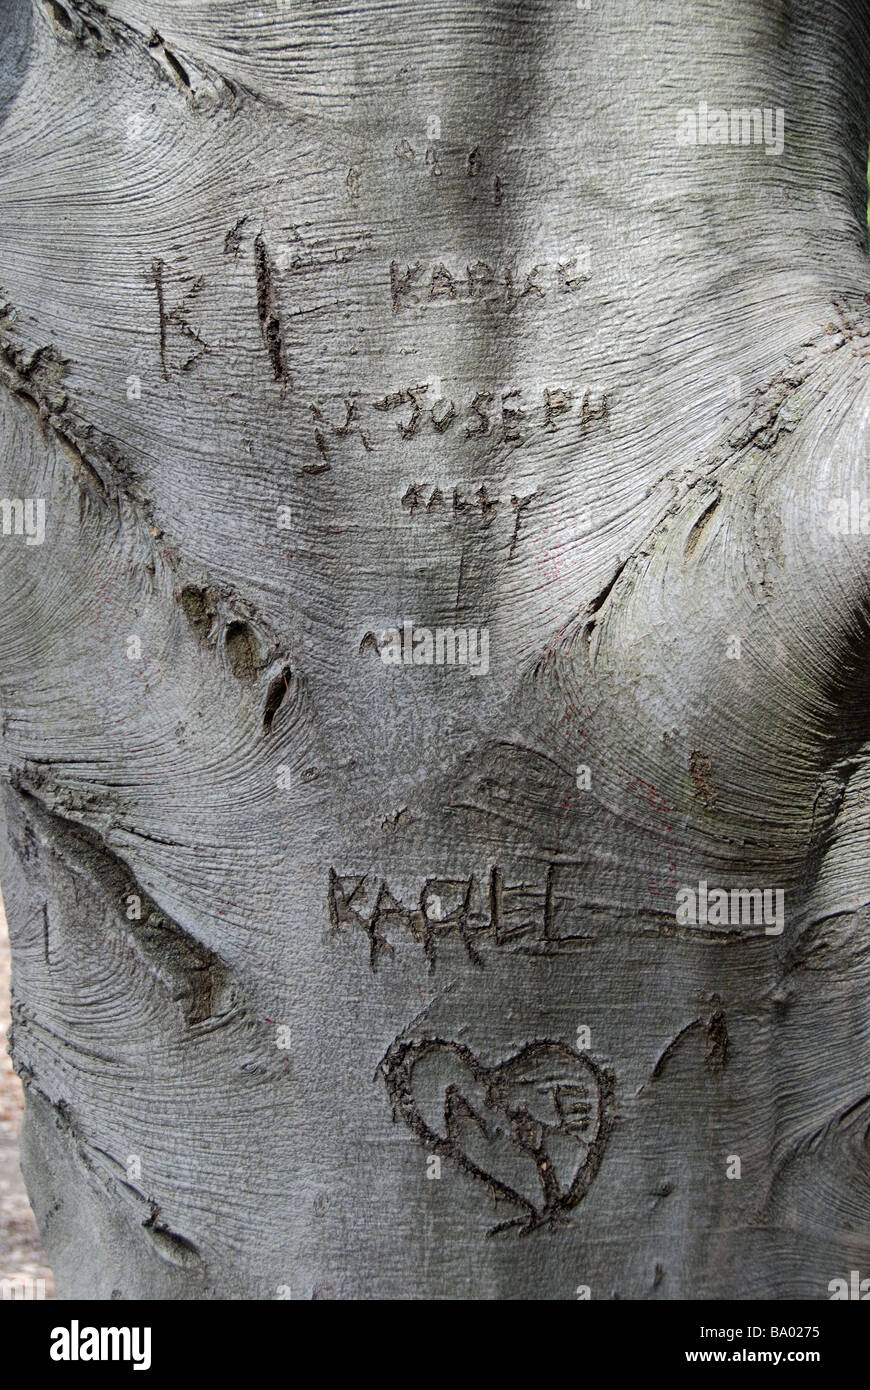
(260, 257)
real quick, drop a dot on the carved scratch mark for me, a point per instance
(267, 308)
(716, 1053)
(157, 274)
(519, 504)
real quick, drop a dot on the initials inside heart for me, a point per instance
(532, 1128)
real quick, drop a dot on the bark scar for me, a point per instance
(267, 308)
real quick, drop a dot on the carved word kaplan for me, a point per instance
(742, 907)
(710, 125)
(447, 646)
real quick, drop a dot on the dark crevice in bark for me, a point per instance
(242, 650)
(845, 744)
(108, 479)
(597, 604)
(716, 1030)
(58, 14)
(761, 428)
(177, 67)
(109, 1175)
(88, 26)
(267, 308)
(195, 977)
(172, 1246)
(697, 532)
(279, 688)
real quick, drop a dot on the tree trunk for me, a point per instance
(342, 968)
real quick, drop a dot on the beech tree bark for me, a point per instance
(335, 977)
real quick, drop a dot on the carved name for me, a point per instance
(501, 418)
(534, 917)
(502, 287)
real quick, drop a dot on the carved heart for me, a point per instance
(533, 1128)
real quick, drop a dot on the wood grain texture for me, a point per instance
(316, 319)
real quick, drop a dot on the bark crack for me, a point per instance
(195, 977)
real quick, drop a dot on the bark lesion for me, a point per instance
(106, 1173)
(107, 480)
(195, 977)
(89, 27)
(700, 528)
(268, 311)
(77, 21)
(171, 1246)
(253, 651)
(279, 688)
